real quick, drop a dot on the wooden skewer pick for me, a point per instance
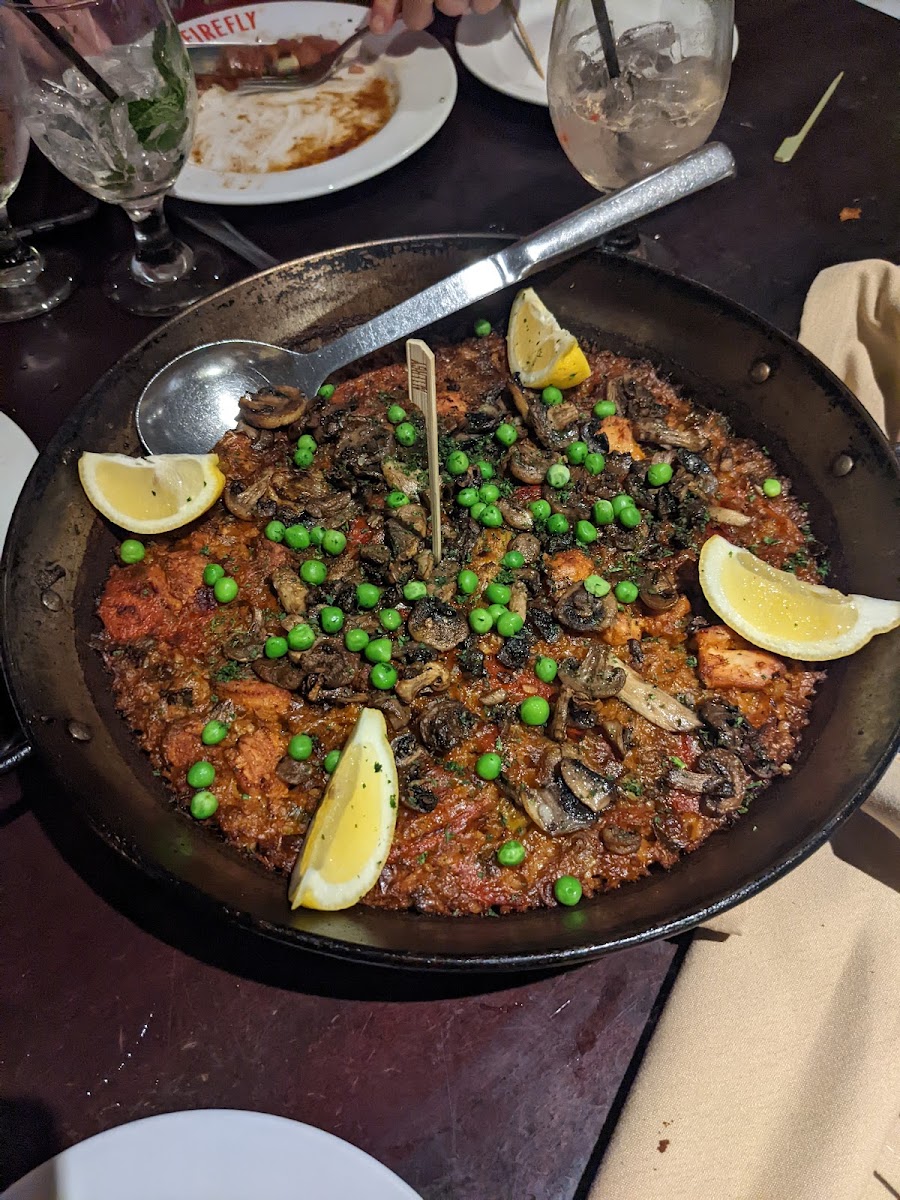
(523, 34)
(422, 393)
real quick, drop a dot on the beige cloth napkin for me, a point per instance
(774, 1072)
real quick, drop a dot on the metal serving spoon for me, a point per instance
(193, 400)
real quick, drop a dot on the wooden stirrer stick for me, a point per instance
(422, 393)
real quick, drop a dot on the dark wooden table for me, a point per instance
(115, 1004)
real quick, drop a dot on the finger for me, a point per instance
(382, 15)
(417, 14)
(484, 6)
(453, 8)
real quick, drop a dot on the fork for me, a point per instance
(305, 77)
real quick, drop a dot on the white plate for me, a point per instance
(212, 1154)
(421, 70)
(17, 456)
(490, 47)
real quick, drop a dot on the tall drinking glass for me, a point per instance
(30, 283)
(110, 100)
(674, 63)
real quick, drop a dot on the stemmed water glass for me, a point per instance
(674, 63)
(110, 100)
(30, 283)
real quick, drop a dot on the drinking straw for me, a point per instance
(607, 40)
(68, 51)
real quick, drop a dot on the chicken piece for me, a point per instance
(264, 699)
(621, 436)
(569, 567)
(137, 603)
(623, 629)
(180, 747)
(255, 761)
(726, 660)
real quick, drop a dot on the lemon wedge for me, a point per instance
(540, 351)
(154, 494)
(351, 832)
(781, 613)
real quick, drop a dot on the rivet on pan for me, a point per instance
(842, 465)
(760, 371)
(51, 600)
(79, 731)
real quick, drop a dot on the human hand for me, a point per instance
(418, 14)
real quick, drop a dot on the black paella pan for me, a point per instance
(727, 359)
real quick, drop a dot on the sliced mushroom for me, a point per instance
(555, 808)
(414, 518)
(425, 565)
(515, 652)
(274, 408)
(376, 560)
(727, 721)
(241, 499)
(398, 480)
(727, 767)
(658, 433)
(728, 516)
(581, 611)
(492, 699)
(543, 624)
(620, 841)
(518, 600)
(397, 714)
(619, 736)
(591, 789)
(407, 751)
(559, 722)
(658, 591)
(632, 399)
(433, 675)
(443, 725)
(527, 463)
(291, 591)
(291, 772)
(596, 677)
(326, 669)
(279, 671)
(243, 647)
(528, 546)
(419, 798)
(514, 516)
(404, 544)
(437, 624)
(653, 703)
(694, 463)
(360, 451)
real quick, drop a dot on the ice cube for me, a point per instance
(648, 50)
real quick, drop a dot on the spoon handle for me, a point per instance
(555, 242)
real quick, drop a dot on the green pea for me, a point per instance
(534, 710)
(506, 434)
(477, 509)
(771, 487)
(356, 640)
(545, 668)
(331, 619)
(383, 676)
(316, 534)
(489, 492)
(225, 589)
(334, 541)
(482, 327)
(379, 650)
(467, 582)
(211, 573)
(405, 433)
(276, 647)
(551, 395)
(513, 560)
(332, 758)
(658, 474)
(313, 571)
(415, 590)
(585, 532)
(498, 593)
(300, 747)
(275, 531)
(201, 774)
(396, 499)
(558, 475)
(301, 637)
(621, 501)
(367, 595)
(496, 611)
(596, 585)
(307, 442)
(203, 805)
(558, 524)
(213, 733)
(511, 853)
(480, 620)
(486, 470)
(489, 766)
(326, 391)
(390, 619)
(540, 509)
(492, 517)
(297, 537)
(396, 414)
(468, 497)
(594, 463)
(132, 551)
(630, 518)
(509, 624)
(567, 890)
(303, 458)
(604, 513)
(577, 453)
(626, 592)
(605, 408)
(457, 462)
